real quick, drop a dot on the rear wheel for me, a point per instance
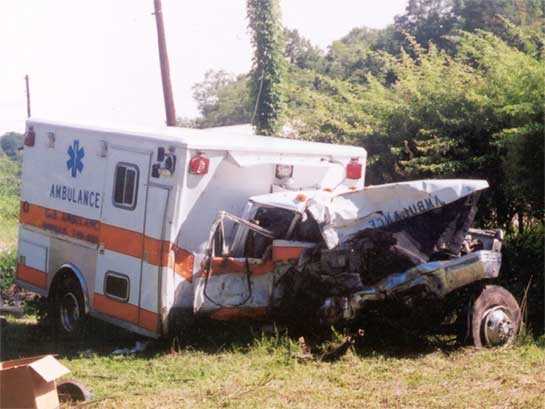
(494, 318)
(68, 308)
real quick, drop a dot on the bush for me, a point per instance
(8, 262)
(10, 182)
(522, 264)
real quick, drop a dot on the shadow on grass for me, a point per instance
(399, 345)
(24, 337)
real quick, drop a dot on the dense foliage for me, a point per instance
(10, 182)
(476, 114)
(473, 115)
(522, 272)
(424, 98)
(454, 88)
(9, 188)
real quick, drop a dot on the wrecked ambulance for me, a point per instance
(148, 228)
(406, 250)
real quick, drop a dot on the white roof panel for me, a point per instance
(240, 138)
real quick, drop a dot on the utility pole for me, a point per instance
(165, 70)
(27, 96)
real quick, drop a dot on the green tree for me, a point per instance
(427, 21)
(10, 143)
(515, 92)
(223, 99)
(475, 110)
(489, 14)
(478, 114)
(268, 64)
(323, 108)
(474, 115)
(300, 52)
(436, 20)
(352, 57)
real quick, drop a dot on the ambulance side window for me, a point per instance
(125, 186)
(116, 286)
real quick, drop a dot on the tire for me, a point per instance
(494, 319)
(73, 391)
(68, 308)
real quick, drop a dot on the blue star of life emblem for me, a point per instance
(76, 154)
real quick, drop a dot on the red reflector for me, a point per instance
(198, 165)
(30, 137)
(353, 169)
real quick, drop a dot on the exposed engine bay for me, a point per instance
(425, 257)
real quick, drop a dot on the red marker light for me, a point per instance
(30, 137)
(353, 169)
(198, 165)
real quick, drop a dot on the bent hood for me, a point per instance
(341, 216)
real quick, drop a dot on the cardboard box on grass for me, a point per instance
(30, 382)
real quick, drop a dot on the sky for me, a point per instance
(96, 61)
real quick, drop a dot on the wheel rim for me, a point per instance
(69, 312)
(497, 326)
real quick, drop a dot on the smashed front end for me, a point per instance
(404, 247)
(408, 245)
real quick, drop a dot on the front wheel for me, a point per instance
(494, 318)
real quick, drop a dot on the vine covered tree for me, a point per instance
(268, 64)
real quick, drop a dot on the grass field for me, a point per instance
(240, 369)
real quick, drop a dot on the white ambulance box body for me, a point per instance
(117, 217)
